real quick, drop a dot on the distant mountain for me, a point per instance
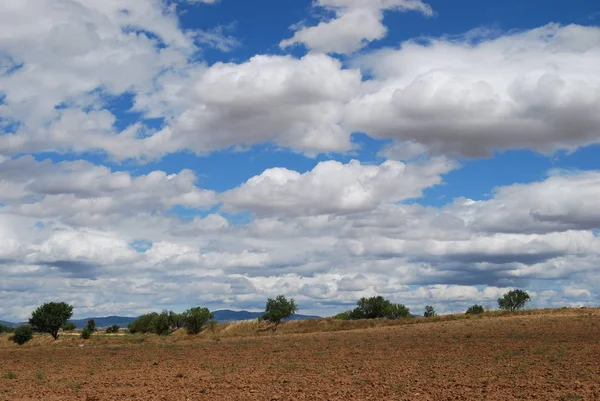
(220, 316)
(8, 324)
(102, 322)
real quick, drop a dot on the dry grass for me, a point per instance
(253, 328)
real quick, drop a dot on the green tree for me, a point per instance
(22, 334)
(142, 324)
(160, 324)
(176, 320)
(475, 310)
(278, 309)
(91, 325)
(429, 311)
(69, 326)
(398, 311)
(112, 329)
(371, 308)
(195, 319)
(5, 329)
(513, 300)
(50, 317)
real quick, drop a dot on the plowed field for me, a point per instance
(541, 357)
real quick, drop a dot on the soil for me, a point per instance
(540, 357)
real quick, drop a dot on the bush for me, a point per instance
(195, 319)
(176, 320)
(513, 300)
(50, 317)
(5, 329)
(142, 324)
(22, 334)
(398, 311)
(91, 325)
(69, 326)
(343, 316)
(371, 308)
(160, 324)
(278, 309)
(429, 311)
(86, 333)
(112, 329)
(475, 310)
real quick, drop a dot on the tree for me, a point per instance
(5, 329)
(513, 300)
(160, 324)
(112, 329)
(50, 317)
(69, 326)
(196, 318)
(398, 311)
(176, 320)
(142, 324)
(371, 308)
(475, 310)
(91, 325)
(429, 311)
(278, 309)
(22, 334)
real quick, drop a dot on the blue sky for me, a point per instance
(164, 154)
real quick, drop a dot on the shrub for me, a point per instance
(475, 310)
(160, 324)
(278, 309)
(176, 320)
(142, 324)
(69, 326)
(22, 334)
(371, 308)
(347, 315)
(50, 317)
(398, 311)
(513, 300)
(5, 329)
(196, 318)
(91, 325)
(429, 311)
(86, 333)
(112, 329)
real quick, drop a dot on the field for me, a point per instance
(542, 355)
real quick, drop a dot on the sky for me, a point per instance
(163, 154)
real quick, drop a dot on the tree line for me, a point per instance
(51, 317)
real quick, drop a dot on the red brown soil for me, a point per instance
(542, 357)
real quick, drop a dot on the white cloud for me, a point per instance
(332, 187)
(356, 23)
(535, 89)
(296, 103)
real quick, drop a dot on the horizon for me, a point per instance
(167, 153)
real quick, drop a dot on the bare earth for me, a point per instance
(543, 357)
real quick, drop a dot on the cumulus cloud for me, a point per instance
(46, 189)
(295, 103)
(356, 23)
(535, 89)
(332, 187)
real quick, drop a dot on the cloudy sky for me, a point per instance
(173, 153)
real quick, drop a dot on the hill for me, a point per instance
(8, 324)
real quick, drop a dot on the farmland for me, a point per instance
(546, 355)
